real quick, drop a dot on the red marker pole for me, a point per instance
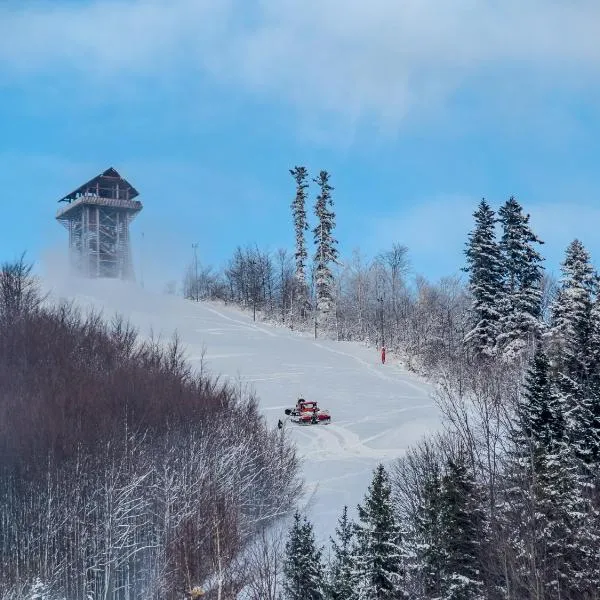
(383, 355)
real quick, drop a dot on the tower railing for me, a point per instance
(134, 205)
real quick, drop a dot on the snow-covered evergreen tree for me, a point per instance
(584, 430)
(593, 393)
(300, 175)
(379, 567)
(430, 552)
(572, 347)
(542, 413)
(462, 519)
(550, 532)
(521, 266)
(326, 252)
(582, 419)
(595, 328)
(302, 568)
(450, 533)
(571, 314)
(484, 265)
(342, 578)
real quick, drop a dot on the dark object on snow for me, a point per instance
(279, 424)
(307, 412)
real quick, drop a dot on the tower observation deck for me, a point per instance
(97, 216)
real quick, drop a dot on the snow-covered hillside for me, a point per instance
(377, 410)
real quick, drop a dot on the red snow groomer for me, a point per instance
(308, 413)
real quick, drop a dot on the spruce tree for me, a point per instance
(302, 568)
(593, 390)
(300, 175)
(545, 516)
(572, 347)
(521, 266)
(541, 412)
(378, 556)
(342, 576)
(584, 424)
(430, 552)
(484, 266)
(462, 519)
(595, 329)
(326, 252)
(571, 314)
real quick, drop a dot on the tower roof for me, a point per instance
(105, 185)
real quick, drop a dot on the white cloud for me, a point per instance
(379, 59)
(108, 36)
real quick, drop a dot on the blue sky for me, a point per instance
(416, 108)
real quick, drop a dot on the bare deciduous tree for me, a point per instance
(124, 474)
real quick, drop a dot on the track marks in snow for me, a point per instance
(376, 370)
(326, 442)
(245, 324)
(385, 415)
(275, 377)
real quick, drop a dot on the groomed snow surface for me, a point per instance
(377, 410)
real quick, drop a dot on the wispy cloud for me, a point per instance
(108, 37)
(381, 59)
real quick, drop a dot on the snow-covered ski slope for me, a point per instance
(377, 410)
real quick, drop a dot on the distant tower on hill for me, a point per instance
(97, 216)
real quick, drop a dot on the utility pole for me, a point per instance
(380, 300)
(195, 247)
(142, 263)
(315, 301)
(253, 286)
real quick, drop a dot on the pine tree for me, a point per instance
(302, 567)
(326, 252)
(342, 572)
(378, 556)
(521, 265)
(485, 281)
(462, 519)
(300, 175)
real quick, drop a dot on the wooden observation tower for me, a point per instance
(97, 216)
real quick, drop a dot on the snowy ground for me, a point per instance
(377, 410)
